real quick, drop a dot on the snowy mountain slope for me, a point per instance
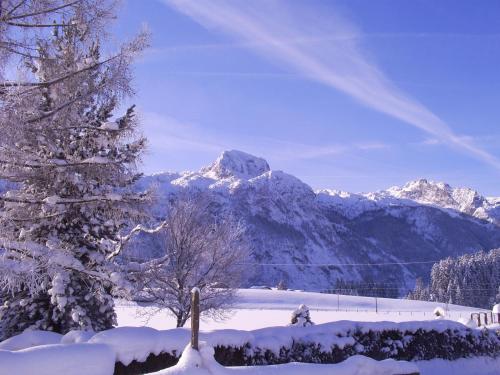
(415, 193)
(310, 239)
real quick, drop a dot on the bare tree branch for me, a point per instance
(138, 229)
(197, 252)
(44, 11)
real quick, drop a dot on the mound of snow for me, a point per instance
(468, 322)
(76, 337)
(462, 366)
(191, 362)
(496, 309)
(137, 343)
(30, 339)
(76, 359)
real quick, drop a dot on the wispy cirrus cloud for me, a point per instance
(272, 28)
(168, 135)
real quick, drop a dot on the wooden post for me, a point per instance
(376, 305)
(477, 316)
(195, 317)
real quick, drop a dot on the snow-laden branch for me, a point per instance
(60, 163)
(36, 25)
(59, 257)
(33, 14)
(62, 106)
(55, 200)
(59, 79)
(138, 229)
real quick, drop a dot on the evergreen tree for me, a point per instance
(74, 164)
(471, 279)
(301, 317)
(421, 291)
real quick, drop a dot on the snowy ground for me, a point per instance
(48, 353)
(265, 308)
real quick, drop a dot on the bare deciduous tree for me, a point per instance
(198, 251)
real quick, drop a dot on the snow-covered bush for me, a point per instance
(141, 350)
(301, 317)
(439, 312)
(325, 343)
(415, 344)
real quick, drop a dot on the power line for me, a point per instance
(337, 264)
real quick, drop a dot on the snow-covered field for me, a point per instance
(79, 353)
(259, 308)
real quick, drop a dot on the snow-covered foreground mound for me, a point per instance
(202, 362)
(260, 308)
(59, 359)
(95, 354)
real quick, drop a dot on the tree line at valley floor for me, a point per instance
(470, 280)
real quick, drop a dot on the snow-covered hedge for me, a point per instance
(333, 343)
(139, 350)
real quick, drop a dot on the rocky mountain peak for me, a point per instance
(441, 194)
(237, 164)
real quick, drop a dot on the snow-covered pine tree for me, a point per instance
(421, 291)
(74, 164)
(471, 279)
(301, 317)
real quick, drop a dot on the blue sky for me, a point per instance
(354, 95)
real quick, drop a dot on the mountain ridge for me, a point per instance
(311, 239)
(294, 227)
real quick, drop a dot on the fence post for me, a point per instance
(195, 317)
(376, 305)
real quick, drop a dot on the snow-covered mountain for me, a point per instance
(311, 239)
(419, 192)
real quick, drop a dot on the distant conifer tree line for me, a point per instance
(470, 280)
